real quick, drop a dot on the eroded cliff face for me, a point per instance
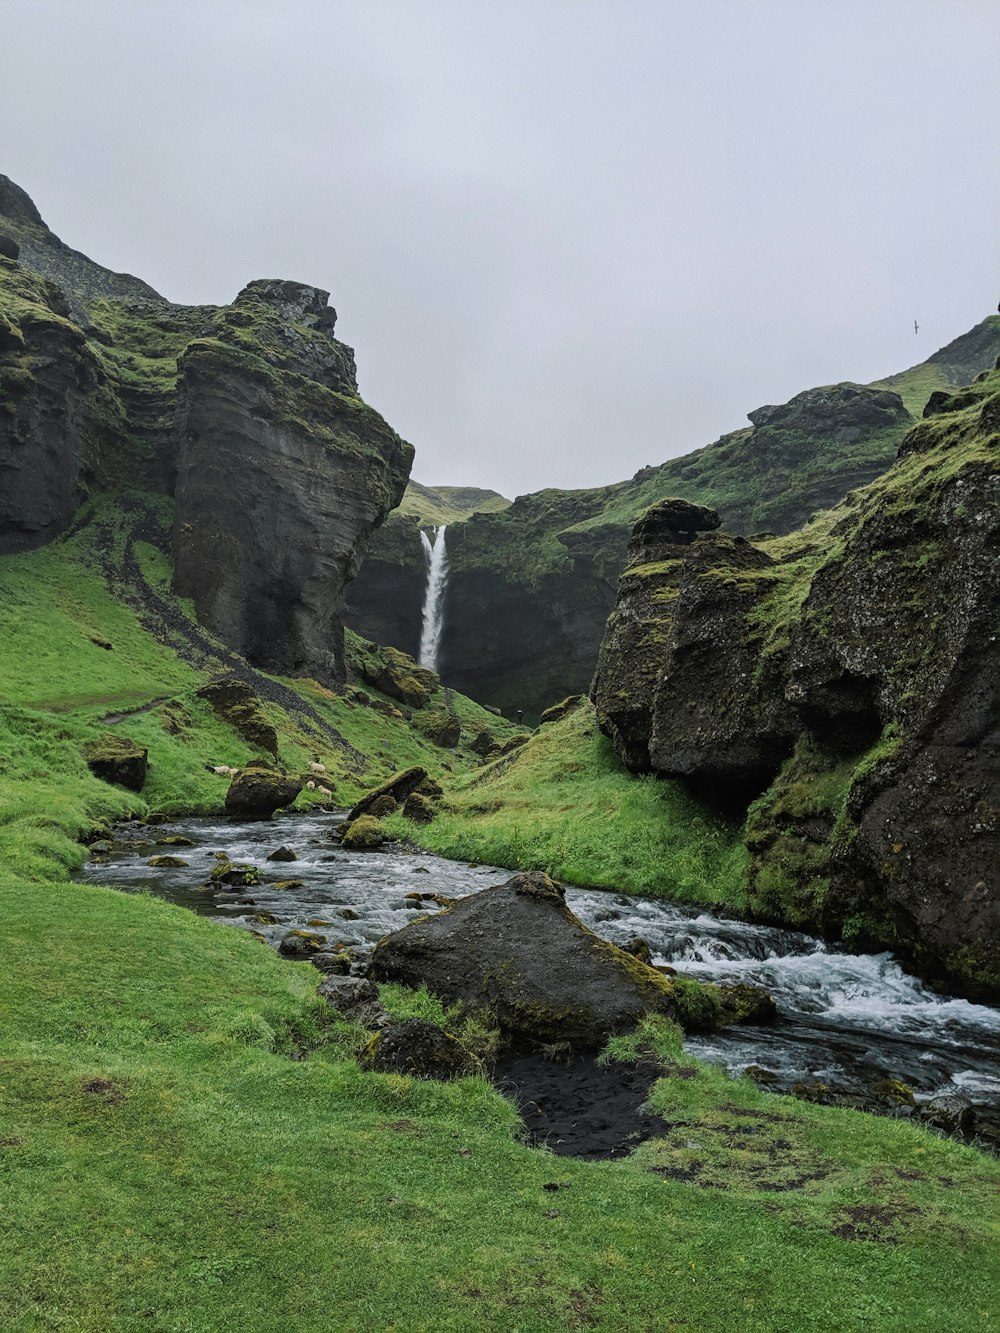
(249, 414)
(283, 472)
(844, 682)
(47, 377)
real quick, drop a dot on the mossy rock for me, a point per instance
(561, 709)
(233, 701)
(167, 862)
(258, 790)
(419, 808)
(301, 944)
(440, 728)
(118, 760)
(398, 787)
(363, 834)
(747, 1004)
(519, 951)
(174, 840)
(285, 885)
(383, 806)
(417, 1048)
(235, 876)
(893, 1092)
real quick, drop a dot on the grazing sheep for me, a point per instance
(310, 786)
(317, 767)
(220, 769)
(325, 791)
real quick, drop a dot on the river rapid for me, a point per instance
(846, 1020)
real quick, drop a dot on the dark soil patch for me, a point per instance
(871, 1222)
(107, 1089)
(582, 1109)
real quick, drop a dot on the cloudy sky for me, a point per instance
(566, 237)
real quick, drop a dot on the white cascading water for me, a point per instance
(437, 582)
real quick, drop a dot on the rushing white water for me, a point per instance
(437, 584)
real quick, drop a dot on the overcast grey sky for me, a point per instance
(566, 237)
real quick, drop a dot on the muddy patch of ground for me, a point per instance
(581, 1109)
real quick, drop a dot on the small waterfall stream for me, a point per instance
(437, 584)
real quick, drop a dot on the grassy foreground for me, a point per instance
(187, 1143)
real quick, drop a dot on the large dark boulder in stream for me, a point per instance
(257, 791)
(517, 951)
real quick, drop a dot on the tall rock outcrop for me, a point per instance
(282, 474)
(248, 415)
(844, 682)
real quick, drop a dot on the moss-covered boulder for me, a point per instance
(234, 876)
(235, 703)
(167, 862)
(396, 674)
(363, 834)
(440, 727)
(419, 808)
(398, 787)
(417, 1048)
(257, 791)
(382, 806)
(518, 951)
(118, 760)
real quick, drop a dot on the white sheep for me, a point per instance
(317, 767)
(325, 791)
(310, 786)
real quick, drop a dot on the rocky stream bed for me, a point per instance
(846, 1021)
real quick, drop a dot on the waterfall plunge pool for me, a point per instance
(846, 1020)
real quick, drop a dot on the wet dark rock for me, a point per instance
(638, 948)
(282, 854)
(235, 876)
(519, 952)
(301, 944)
(949, 1111)
(101, 847)
(257, 791)
(345, 993)
(118, 760)
(417, 1048)
(746, 1004)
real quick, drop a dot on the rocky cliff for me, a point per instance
(248, 415)
(531, 586)
(840, 685)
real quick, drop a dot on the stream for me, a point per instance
(846, 1020)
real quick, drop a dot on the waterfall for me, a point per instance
(437, 582)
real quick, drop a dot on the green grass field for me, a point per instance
(187, 1144)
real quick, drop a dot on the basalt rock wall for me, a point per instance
(841, 688)
(248, 414)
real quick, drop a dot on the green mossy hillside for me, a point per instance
(564, 804)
